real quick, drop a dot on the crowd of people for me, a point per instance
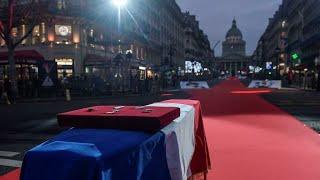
(28, 88)
(152, 84)
(303, 79)
(87, 86)
(92, 85)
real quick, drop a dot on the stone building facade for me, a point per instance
(196, 43)
(84, 36)
(233, 60)
(276, 42)
(293, 35)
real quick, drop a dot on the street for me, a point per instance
(26, 125)
(303, 105)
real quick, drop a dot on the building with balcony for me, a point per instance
(272, 48)
(310, 46)
(257, 56)
(300, 31)
(196, 43)
(85, 37)
(172, 36)
(54, 37)
(295, 29)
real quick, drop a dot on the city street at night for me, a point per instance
(238, 129)
(159, 90)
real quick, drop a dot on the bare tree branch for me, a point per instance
(11, 14)
(1, 27)
(24, 37)
(35, 20)
(1, 35)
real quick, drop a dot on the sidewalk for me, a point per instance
(211, 83)
(77, 98)
(285, 86)
(300, 88)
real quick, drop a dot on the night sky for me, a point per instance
(216, 17)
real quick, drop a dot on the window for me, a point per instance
(142, 54)
(65, 67)
(64, 62)
(36, 35)
(91, 33)
(283, 24)
(14, 32)
(137, 53)
(61, 5)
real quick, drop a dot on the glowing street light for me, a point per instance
(119, 3)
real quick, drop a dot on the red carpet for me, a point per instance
(250, 139)
(14, 175)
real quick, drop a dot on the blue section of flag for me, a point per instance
(84, 154)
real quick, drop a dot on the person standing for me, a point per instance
(313, 80)
(290, 78)
(1, 90)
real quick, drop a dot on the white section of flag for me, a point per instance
(180, 141)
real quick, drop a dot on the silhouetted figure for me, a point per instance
(233, 73)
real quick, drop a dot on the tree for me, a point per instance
(15, 14)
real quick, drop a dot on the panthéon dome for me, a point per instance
(234, 31)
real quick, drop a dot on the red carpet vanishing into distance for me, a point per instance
(250, 139)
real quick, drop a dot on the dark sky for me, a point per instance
(216, 17)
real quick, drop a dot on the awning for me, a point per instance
(300, 67)
(22, 57)
(96, 60)
(136, 63)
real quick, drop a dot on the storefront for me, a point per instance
(27, 64)
(98, 66)
(65, 67)
(139, 69)
(142, 72)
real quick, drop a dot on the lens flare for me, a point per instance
(119, 2)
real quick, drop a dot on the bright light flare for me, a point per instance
(166, 94)
(251, 92)
(119, 3)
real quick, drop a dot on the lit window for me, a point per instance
(14, 32)
(36, 35)
(61, 5)
(137, 53)
(91, 33)
(64, 62)
(283, 24)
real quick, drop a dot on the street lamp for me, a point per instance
(317, 63)
(119, 3)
